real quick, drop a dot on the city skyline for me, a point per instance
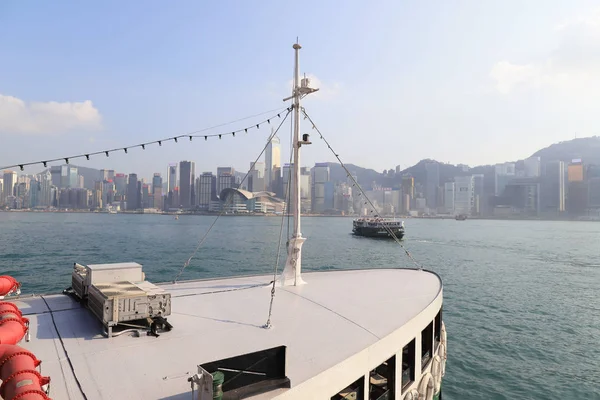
(416, 83)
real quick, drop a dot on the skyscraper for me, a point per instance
(272, 160)
(504, 173)
(532, 167)
(171, 177)
(553, 187)
(320, 174)
(225, 178)
(133, 192)
(463, 194)
(10, 180)
(432, 170)
(205, 190)
(449, 197)
(187, 178)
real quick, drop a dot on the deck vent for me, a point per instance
(243, 376)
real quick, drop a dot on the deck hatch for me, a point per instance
(252, 373)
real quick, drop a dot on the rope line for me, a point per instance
(355, 183)
(224, 208)
(278, 257)
(190, 135)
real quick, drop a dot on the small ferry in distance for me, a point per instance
(378, 227)
(461, 217)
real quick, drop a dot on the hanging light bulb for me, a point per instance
(159, 143)
(125, 148)
(21, 166)
(67, 160)
(106, 152)
(205, 137)
(143, 147)
(45, 164)
(175, 139)
(219, 136)
(190, 138)
(233, 134)
(87, 157)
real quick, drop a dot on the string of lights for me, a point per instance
(125, 149)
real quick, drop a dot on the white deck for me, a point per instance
(334, 316)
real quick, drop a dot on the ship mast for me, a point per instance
(291, 275)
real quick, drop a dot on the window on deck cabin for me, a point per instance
(355, 391)
(408, 364)
(426, 345)
(437, 332)
(382, 381)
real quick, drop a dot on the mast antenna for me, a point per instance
(291, 275)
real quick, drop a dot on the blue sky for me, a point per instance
(458, 81)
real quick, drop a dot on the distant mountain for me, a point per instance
(588, 149)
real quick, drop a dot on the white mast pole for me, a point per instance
(293, 265)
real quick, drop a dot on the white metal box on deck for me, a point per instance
(117, 302)
(84, 276)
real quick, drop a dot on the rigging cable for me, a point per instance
(355, 183)
(190, 135)
(187, 263)
(267, 325)
(64, 349)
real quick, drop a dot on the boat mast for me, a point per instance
(291, 275)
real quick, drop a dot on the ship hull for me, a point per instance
(377, 232)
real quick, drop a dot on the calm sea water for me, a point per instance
(521, 299)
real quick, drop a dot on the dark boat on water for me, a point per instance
(378, 227)
(461, 217)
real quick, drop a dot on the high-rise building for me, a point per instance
(187, 178)
(480, 204)
(408, 186)
(205, 188)
(10, 180)
(133, 193)
(320, 178)
(171, 177)
(256, 177)
(532, 167)
(157, 191)
(272, 161)
(45, 183)
(120, 184)
(107, 174)
(504, 173)
(225, 178)
(575, 171)
(463, 195)
(55, 172)
(287, 180)
(432, 181)
(594, 192)
(2, 191)
(553, 187)
(449, 197)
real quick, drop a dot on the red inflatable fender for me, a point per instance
(8, 285)
(20, 379)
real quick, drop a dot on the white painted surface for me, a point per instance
(337, 327)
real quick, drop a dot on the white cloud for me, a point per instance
(573, 66)
(17, 116)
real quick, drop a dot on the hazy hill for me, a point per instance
(587, 149)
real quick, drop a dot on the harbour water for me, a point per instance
(520, 305)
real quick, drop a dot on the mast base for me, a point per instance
(292, 272)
